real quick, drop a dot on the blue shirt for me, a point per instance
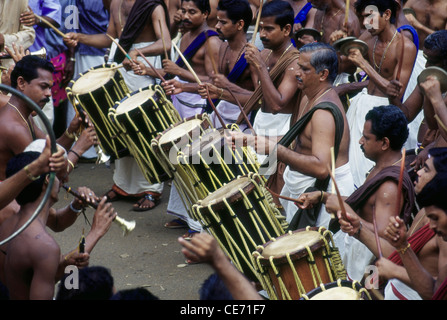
(93, 19)
(44, 8)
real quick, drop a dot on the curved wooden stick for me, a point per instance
(399, 185)
(340, 200)
(376, 233)
(150, 65)
(163, 40)
(48, 23)
(253, 39)
(120, 47)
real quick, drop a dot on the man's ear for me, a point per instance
(324, 75)
(21, 83)
(385, 143)
(287, 30)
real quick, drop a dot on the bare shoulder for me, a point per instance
(387, 189)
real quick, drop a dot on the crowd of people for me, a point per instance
(343, 100)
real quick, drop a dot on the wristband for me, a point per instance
(30, 176)
(402, 251)
(75, 153)
(322, 195)
(77, 211)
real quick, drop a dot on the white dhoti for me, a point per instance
(188, 104)
(128, 175)
(397, 290)
(177, 208)
(270, 125)
(360, 105)
(354, 255)
(229, 112)
(413, 126)
(48, 111)
(296, 183)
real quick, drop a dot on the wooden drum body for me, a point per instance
(209, 162)
(297, 262)
(96, 91)
(140, 117)
(241, 218)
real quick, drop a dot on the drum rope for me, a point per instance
(337, 263)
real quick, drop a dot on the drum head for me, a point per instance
(337, 293)
(179, 131)
(228, 191)
(92, 80)
(291, 243)
(204, 143)
(134, 100)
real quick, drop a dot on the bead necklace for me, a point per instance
(379, 67)
(228, 60)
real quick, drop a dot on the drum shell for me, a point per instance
(236, 225)
(210, 162)
(301, 265)
(96, 104)
(140, 124)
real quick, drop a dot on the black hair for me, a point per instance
(281, 10)
(237, 10)
(389, 122)
(323, 57)
(437, 42)
(95, 283)
(214, 289)
(33, 190)
(434, 193)
(382, 6)
(439, 159)
(27, 69)
(203, 5)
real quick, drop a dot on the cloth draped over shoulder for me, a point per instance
(194, 46)
(308, 217)
(441, 293)
(302, 15)
(139, 14)
(360, 196)
(417, 241)
(275, 74)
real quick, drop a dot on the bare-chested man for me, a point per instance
(330, 17)
(384, 63)
(200, 45)
(321, 118)
(139, 25)
(33, 77)
(33, 261)
(431, 16)
(304, 14)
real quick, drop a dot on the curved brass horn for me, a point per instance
(42, 53)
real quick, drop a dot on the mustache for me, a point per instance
(263, 39)
(46, 100)
(186, 21)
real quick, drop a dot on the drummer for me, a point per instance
(385, 63)
(135, 31)
(427, 96)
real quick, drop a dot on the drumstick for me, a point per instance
(333, 167)
(280, 196)
(120, 47)
(376, 233)
(253, 39)
(163, 40)
(340, 200)
(345, 24)
(399, 185)
(200, 83)
(150, 65)
(50, 25)
(242, 111)
(187, 63)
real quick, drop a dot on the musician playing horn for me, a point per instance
(34, 251)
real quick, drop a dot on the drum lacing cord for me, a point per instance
(337, 264)
(275, 217)
(356, 284)
(201, 189)
(231, 244)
